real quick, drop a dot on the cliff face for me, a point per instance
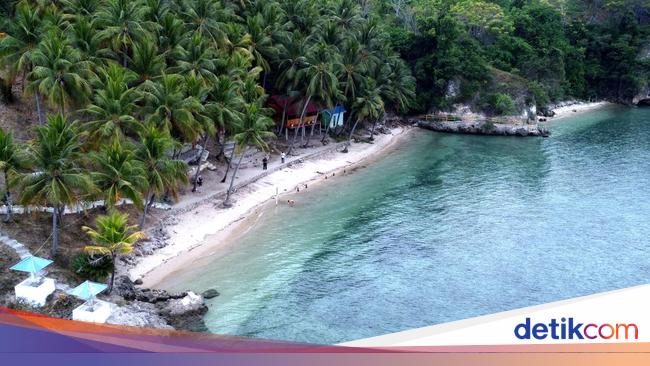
(504, 94)
(642, 98)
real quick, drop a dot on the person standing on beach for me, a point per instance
(282, 156)
(265, 163)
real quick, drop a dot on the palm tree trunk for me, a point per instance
(284, 113)
(8, 198)
(39, 111)
(55, 233)
(372, 130)
(327, 130)
(344, 125)
(124, 56)
(302, 118)
(62, 104)
(311, 131)
(217, 141)
(60, 213)
(148, 200)
(110, 286)
(198, 168)
(345, 150)
(227, 202)
(232, 155)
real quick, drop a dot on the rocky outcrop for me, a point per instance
(159, 308)
(154, 296)
(138, 314)
(186, 313)
(209, 294)
(642, 98)
(485, 128)
(546, 112)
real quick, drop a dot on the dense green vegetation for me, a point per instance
(120, 86)
(535, 51)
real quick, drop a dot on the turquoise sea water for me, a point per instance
(447, 227)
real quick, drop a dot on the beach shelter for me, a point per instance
(31, 265)
(88, 290)
(95, 311)
(34, 290)
(289, 110)
(333, 118)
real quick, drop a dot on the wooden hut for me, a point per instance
(288, 111)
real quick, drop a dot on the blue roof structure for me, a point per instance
(32, 264)
(88, 290)
(335, 110)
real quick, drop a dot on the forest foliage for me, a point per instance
(585, 49)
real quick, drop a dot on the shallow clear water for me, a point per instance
(447, 227)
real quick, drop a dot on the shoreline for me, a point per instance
(568, 109)
(204, 228)
(207, 228)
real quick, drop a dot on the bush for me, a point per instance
(499, 104)
(91, 267)
(539, 94)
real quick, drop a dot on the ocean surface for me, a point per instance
(445, 228)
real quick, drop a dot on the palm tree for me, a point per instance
(11, 160)
(346, 14)
(112, 112)
(291, 60)
(53, 17)
(319, 81)
(24, 31)
(118, 174)
(170, 107)
(254, 131)
(302, 14)
(80, 8)
(208, 18)
(155, 10)
(196, 56)
(368, 105)
(57, 72)
(260, 44)
(146, 62)
(223, 108)
(162, 172)
(58, 178)
(113, 236)
(170, 36)
(328, 33)
(400, 91)
(121, 23)
(352, 68)
(83, 36)
(199, 91)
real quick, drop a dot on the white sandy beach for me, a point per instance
(581, 107)
(208, 218)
